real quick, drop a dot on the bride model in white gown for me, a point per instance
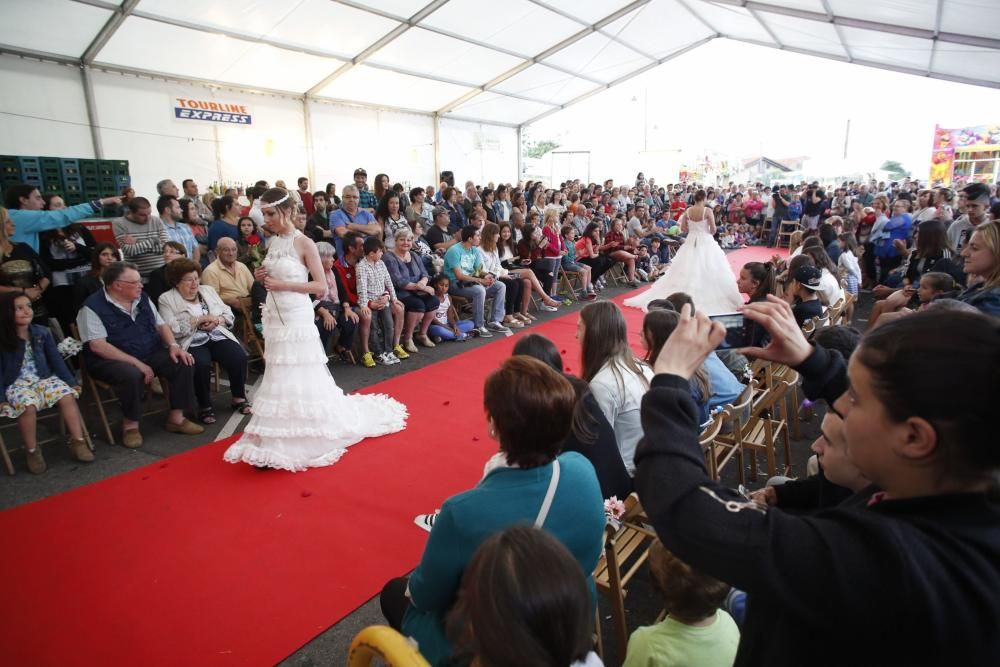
(699, 268)
(301, 419)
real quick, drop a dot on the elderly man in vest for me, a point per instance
(127, 344)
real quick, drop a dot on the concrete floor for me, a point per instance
(329, 647)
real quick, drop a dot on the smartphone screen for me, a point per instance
(735, 336)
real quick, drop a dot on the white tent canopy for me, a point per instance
(489, 68)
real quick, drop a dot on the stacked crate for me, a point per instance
(75, 180)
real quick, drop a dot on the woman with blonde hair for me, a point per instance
(982, 264)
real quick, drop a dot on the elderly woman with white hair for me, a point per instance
(333, 309)
(409, 277)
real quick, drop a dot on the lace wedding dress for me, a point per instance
(302, 419)
(699, 269)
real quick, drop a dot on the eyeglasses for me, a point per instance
(190, 280)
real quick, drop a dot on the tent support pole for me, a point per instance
(310, 156)
(88, 96)
(520, 153)
(437, 149)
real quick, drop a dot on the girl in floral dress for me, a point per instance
(34, 377)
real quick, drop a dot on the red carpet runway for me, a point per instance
(206, 563)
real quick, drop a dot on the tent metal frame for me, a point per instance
(121, 12)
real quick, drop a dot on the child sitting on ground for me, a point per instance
(659, 256)
(696, 631)
(643, 265)
(446, 325)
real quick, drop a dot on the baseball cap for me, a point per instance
(360, 170)
(438, 210)
(808, 276)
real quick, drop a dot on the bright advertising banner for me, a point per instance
(947, 142)
(217, 112)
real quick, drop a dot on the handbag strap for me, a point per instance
(549, 495)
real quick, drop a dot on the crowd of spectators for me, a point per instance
(905, 464)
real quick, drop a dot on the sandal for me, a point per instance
(243, 407)
(207, 416)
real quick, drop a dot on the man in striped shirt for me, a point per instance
(141, 236)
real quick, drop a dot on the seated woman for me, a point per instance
(590, 433)
(506, 250)
(529, 408)
(588, 253)
(982, 264)
(568, 235)
(757, 279)
(34, 377)
(617, 378)
(103, 256)
(932, 496)
(201, 324)
(409, 277)
(530, 251)
(21, 270)
(615, 247)
(523, 601)
(67, 253)
(516, 296)
(657, 326)
(333, 310)
(158, 283)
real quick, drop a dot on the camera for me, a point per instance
(735, 330)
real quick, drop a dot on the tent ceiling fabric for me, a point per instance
(509, 63)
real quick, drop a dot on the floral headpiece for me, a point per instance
(272, 204)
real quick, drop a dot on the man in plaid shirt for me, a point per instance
(368, 200)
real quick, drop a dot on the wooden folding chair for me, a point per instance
(93, 387)
(728, 442)
(708, 434)
(836, 311)
(625, 550)
(60, 436)
(571, 283)
(253, 342)
(767, 424)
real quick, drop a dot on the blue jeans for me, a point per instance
(444, 333)
(478, 294)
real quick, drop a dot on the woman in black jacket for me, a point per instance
(911, 574)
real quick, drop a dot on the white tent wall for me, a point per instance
(479, 152)
(137, 124)
(272, 147)
(43, 111)
(347, 137)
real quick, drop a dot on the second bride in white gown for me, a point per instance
(301, 419)
(699, 268)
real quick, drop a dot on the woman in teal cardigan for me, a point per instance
(529, 408)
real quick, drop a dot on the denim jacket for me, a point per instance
(48, 361)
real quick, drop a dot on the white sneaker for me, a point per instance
(426, 521)
(392, 358)
(548, 308)
(387, 359)
(498, 327)
(484, 332)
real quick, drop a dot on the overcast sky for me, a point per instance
(740, 99)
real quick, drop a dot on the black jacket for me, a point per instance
(901, 582)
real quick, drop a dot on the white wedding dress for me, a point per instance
(699, 269)
(301, 418)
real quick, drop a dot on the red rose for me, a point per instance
(253, 239)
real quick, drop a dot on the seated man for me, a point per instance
(463, 265)
(232, 280)
(127, 344)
